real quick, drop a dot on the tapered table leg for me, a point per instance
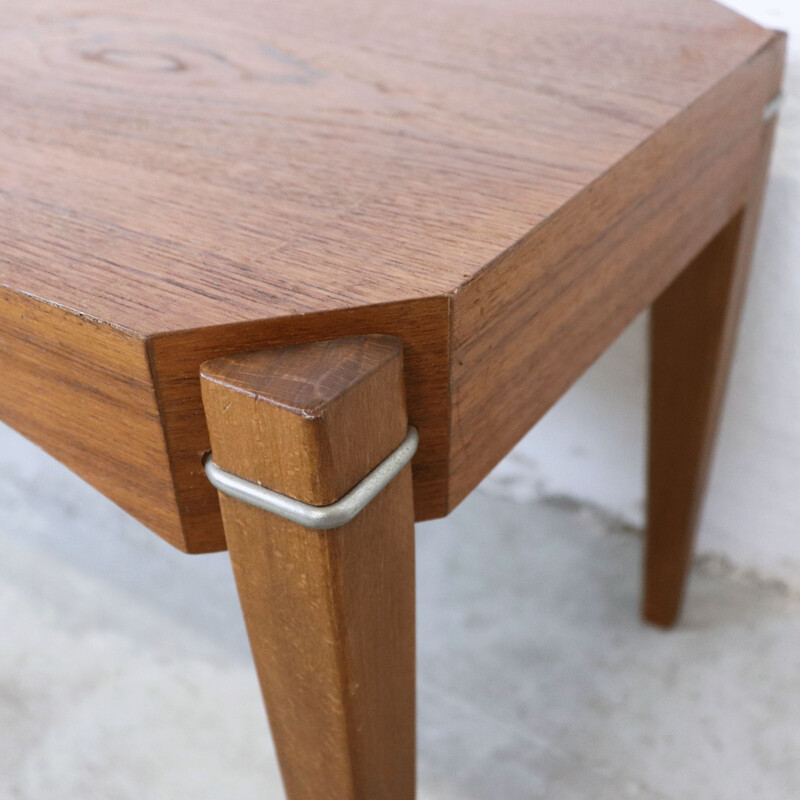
(693, 329)
(330, 614)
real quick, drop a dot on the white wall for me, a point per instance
(590, 447)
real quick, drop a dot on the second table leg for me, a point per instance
(693, 330)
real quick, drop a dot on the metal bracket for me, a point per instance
(772, 108)
(318, 517)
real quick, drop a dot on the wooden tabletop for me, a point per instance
(188, 180)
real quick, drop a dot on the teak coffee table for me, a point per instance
(310, 237)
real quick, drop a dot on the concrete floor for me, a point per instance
(125, 673)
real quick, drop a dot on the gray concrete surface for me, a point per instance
(125, 673)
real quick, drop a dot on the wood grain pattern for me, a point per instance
(529, 325)
(82, 390)
(423, 327)
(330, 614)
(693, 331)
(168, 168)
(202, 181)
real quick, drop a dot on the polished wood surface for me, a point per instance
(195, 180)
(423, 328)
(525, 330)
(330, 614)
(693, 331)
